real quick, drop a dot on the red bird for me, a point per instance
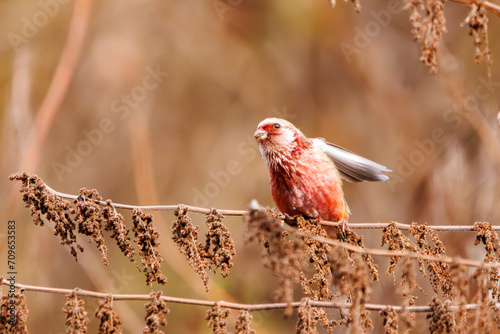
(305, 174)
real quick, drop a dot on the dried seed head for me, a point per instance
(115, 225)
(146, 236)
(90, 220)
(438, 271)
(460, 283)
(76, 316)
(217, 319)
(390, 320)
(243, 323)
(308, 318)
(16, 322)
(219, 245)
(55, 209)
(156, 310)
(478, 24)
(441, 320)
(109, 320)
(283, 254)
(352, 238)
(397, 241)
(428, 29)
(487, 236)
(408, 282)
(185, 235)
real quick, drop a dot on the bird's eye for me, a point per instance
(276, 126)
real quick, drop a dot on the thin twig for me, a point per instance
(493, 7)
(384, 252)
(353, 248)
(60, 82)
(154, 207)
(357, 226)
(231, 305)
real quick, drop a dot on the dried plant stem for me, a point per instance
(406, 254)
(155, 207)
(196, 209)
(60, 82)
(493, 7)
(235, 306)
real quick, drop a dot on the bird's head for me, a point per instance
(278, 137)
(276, 132)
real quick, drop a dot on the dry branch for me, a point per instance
(60, 83)
(230, 305)
(196, 209)
(296, 250)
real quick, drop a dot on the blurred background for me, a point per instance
(156, 102)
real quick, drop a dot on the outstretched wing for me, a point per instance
(352, 167)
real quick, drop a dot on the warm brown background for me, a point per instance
(226, 72)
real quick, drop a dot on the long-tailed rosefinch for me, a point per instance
(305, 174)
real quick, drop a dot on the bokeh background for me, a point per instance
(164, 97)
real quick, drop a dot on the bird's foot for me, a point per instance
(342, 228)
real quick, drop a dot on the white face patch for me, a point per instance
(286, 138)
(279, 143)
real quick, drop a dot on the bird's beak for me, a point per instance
(260, 135)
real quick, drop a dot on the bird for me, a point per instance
(305, 174)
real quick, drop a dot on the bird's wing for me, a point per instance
(352, 167)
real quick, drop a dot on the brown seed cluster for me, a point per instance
(218, 251)
(146, 236)
(282, 253)
(478, 24)
(16, 322)
(429, 23)
(484, 316)
(323, 271)
(451, 280)
(76, 316)
(243, 323)
(219, 245)
(459, 292)
(406, 288)
(109, 320)
(416, 7)
(217, 319)
(316, 287)
(307, 318)
(90, 220)
(115, 225)
(427, 29)
(438, 271)
(156, 310)
(350, 277)
(426, 243)
(185, 235)
(489, 238)
(53, 208)
(396, 241)
(390, 320)
(90, 217)
(349, 236)
(441, 320)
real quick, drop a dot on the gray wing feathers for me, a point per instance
(352, 167)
